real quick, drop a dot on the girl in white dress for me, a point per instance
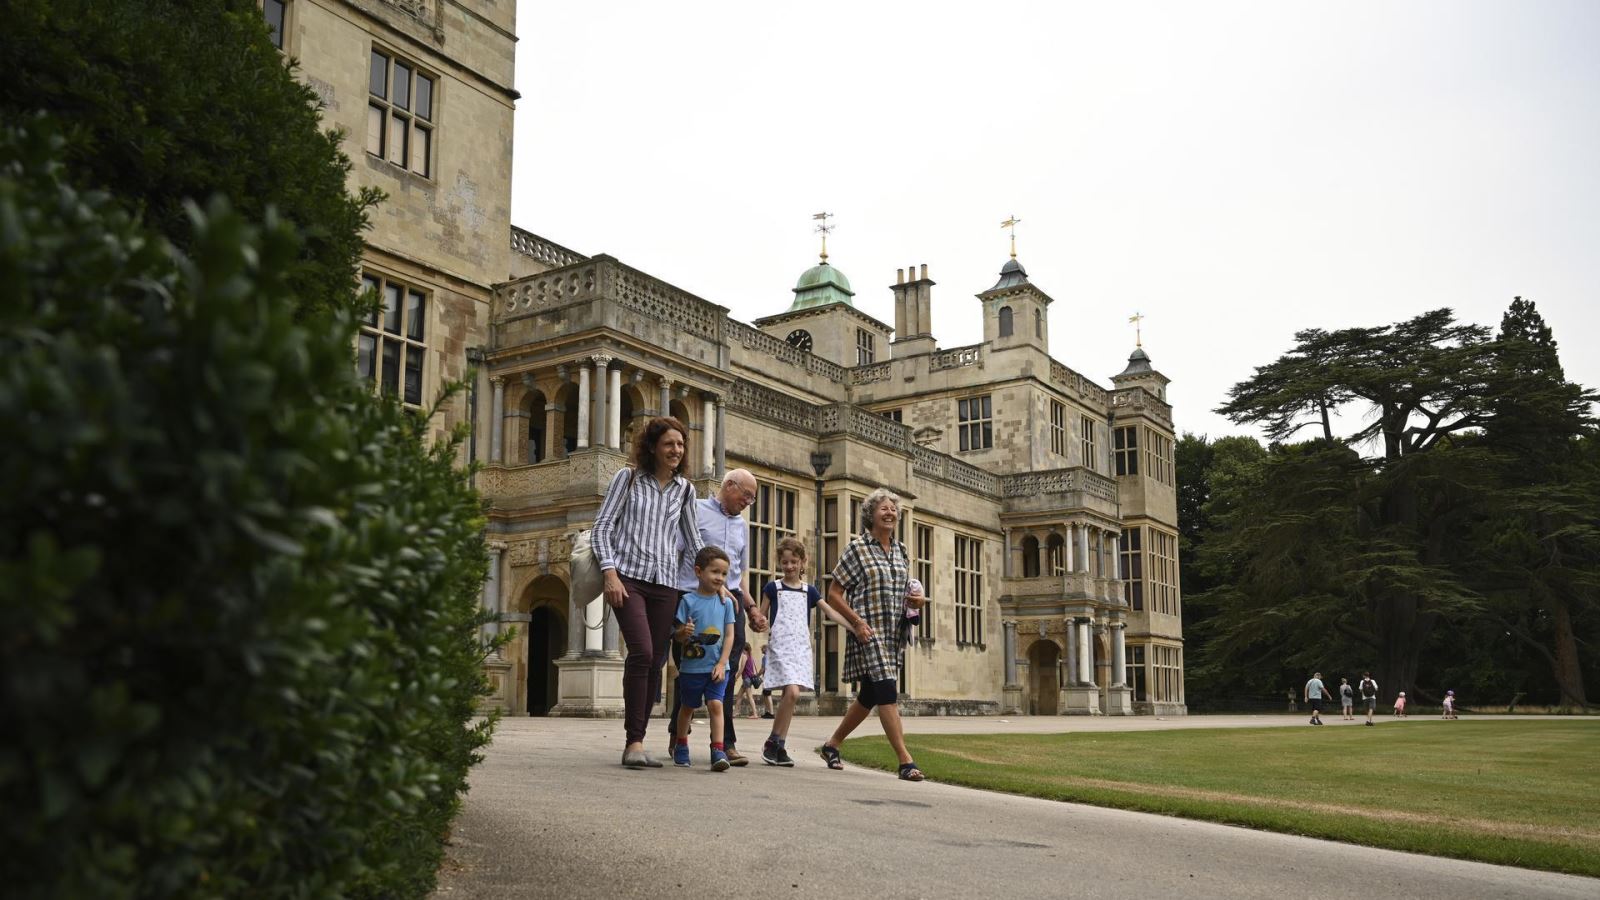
(787, 604)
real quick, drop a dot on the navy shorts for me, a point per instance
(695, 689)
(878, 693)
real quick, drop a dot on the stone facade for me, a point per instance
(1036, 591)
(1043, 549)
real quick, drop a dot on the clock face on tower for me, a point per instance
(800, 339)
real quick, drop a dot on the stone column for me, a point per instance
(708, 421)
(609, 635)
(491, 588)
(1085, 657)
(497, 417)
(1011, 652)
(722, 443)
(666, 397)
(1119, 655)
(583, 406)
(1072, 651)
(555, 441)
(1005, 561)
(1080, 535)
(614, 429)
(599, 419)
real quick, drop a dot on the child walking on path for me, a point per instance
(704, 620)
(1400, 705)
(1449, 704)
(787, 604)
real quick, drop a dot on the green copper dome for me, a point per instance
(820, 285)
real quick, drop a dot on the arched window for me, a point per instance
(1056, 552)
(1030, 557)
(1038, 324)
(1005, 321)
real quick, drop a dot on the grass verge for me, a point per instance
(1514, 793)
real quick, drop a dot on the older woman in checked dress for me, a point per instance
(869, 590)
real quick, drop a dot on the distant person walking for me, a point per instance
(1347, 698)
(1400, 705)
(1449, 704)
(644, 530)
(1315, 693)
(1369, 694)
(869, 591)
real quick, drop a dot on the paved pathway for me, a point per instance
(551, 814)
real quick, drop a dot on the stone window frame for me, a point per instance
(1161, 571)
(281, 31)
(1166, 664)
(975, 423)
(1158, 456)
(968, 594)
(1058, 428)
(772, 516)
(1086, 437)
(866, 347)
(894, 415)
(922, 564)
(417, 118)
(1125, 450)
(1007, 322)
(1136, 677)
(408, 335)
(1131, 547)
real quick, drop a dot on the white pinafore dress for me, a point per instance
(789, 648)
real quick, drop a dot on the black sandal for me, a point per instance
(830, 755)
(910, 772)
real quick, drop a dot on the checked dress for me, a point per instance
(874, 582)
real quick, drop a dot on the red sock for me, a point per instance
(684, 741)
(716, 745)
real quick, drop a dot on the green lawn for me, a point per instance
(1521, 793)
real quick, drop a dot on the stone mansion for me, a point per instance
(1039, 506)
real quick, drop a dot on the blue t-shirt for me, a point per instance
(712, 616)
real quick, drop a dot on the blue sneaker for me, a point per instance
(719, 760)
(680, 755)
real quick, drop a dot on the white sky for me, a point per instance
(1235, 171)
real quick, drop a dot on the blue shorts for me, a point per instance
(696, 689)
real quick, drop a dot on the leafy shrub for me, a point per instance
(170, 101)
(238, 595)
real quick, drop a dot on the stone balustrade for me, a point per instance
(1139, 400)
(956, 357)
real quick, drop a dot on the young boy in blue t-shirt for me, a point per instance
(704, 616)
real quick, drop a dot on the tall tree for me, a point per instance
(1413, 386)
(1539, 533)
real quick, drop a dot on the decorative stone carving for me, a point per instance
(956, 358)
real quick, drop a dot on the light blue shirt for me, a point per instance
(718, 529)
(1314, 689)
(712, 616)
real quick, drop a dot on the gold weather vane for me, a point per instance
(823, 230)
(1011, 223)
(1136, 318)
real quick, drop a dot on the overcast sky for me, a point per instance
(1234, 171)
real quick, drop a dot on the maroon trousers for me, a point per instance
(645, 620)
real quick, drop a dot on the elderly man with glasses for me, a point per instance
(722, 524)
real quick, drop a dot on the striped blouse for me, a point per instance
(646, 534)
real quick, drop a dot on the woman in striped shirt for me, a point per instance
(645, 528)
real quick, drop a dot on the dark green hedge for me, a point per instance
(170, 101)
(238, 595)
